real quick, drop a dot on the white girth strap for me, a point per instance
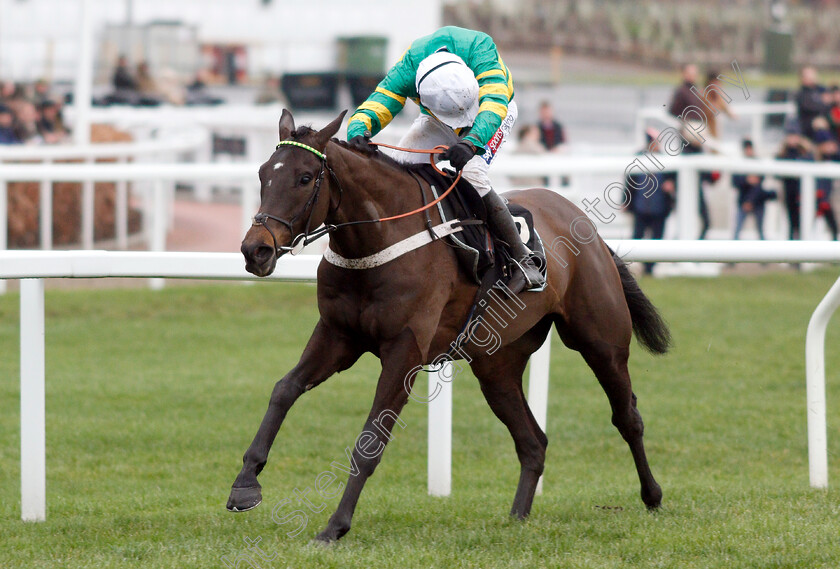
(396, 250)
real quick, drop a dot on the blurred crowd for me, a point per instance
(139, 86)
(812, 136)
(30, 114)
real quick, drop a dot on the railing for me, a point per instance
(33, 266)
(757, 113)
(36, 168)
(553, 167)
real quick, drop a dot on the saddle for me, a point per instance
(481, 256)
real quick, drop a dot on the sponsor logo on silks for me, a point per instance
(492, 146)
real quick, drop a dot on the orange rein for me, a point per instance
(440, 149)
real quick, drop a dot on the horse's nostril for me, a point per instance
(263, 253)
(257, 253)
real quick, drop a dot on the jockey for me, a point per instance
(465, 93)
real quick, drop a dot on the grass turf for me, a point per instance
(153, 396)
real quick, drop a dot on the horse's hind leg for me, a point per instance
(500, 377)
(609, 363)
(326, 353)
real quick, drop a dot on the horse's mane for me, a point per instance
(302, 132)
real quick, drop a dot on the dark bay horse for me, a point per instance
(409, 310)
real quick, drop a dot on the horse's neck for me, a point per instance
(370, 190)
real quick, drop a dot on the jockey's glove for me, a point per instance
(459, 154)
(361, 142)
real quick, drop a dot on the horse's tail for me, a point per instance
(650, 328)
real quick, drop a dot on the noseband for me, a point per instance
(306, 237)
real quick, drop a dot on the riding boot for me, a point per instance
(502, 226)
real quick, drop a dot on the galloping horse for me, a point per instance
(409, 310)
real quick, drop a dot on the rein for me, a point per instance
(302, 239)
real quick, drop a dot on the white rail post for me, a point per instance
(33, 454)
(88, 212)
(4, 224)
(440, 431)
(45, 214)
(159, 223)
(121, 213)
(83, 87)
(756, 130)
(688, 201)
(538, 388)
(815, 387)
(807, 207)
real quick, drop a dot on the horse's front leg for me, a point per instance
(327, 352)
(399, 361)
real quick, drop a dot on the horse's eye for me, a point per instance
(305, 179)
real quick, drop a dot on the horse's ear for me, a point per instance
(326, 133)
(287, 125)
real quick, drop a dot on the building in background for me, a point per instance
(238, 40)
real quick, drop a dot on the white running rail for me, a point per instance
(34, 266)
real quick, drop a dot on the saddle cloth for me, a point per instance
(477, 250)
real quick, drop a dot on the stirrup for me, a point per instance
(531, 272)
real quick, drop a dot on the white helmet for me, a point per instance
(448, 88)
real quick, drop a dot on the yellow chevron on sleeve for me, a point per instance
(494, 107)
(391, 94)
(381, 111)
(494, 89)
(363, 118)
(490, 73)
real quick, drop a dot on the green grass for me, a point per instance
(153, 396)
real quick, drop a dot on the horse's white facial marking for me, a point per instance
(278, 165)
(269, 182)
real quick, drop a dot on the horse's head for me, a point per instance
(294, 194)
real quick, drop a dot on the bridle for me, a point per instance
(305, 238)
(301, 240)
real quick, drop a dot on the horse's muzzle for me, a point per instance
(260, 258)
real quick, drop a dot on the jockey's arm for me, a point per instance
(495, 91)
(385, 102)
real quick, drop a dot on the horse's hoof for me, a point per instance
(322, 540)
(244, 499)
(653, 498)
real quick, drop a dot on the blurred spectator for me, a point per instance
(145, 82)
(51, 124)
(26, 122)
(716, 100)
(197, 91)
(812, 101)
(169, 87)
(7, 131)
(827, 150)
(7, 90)
(684, 96)
(794, 147)
(834, 110)
(123, 80)
(41, 92)
(651, 199)
(751, 195)
(529, 143)
(530, 140)
(552, 135)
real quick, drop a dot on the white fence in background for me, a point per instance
(36, 160)
(160, 179)
(34, 266)
(757, 114)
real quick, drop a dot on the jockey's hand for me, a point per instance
(459, 154)
(361, 142)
